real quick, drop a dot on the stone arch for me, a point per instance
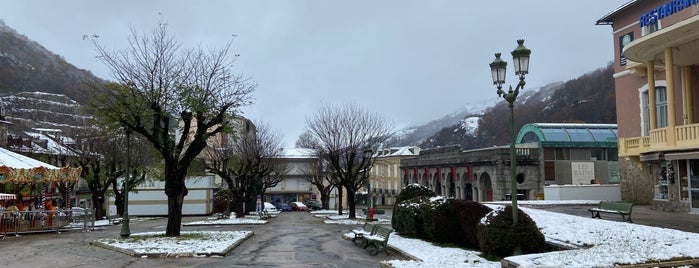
(485, 187)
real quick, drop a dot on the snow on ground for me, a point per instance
(601, 243)
(612, 242)
(194, 243)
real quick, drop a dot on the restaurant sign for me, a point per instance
(667, 9)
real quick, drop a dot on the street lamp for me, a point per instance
(520, 57)
(125, 231)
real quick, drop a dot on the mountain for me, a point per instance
(40, 110)
(26, 66)
(589, 98)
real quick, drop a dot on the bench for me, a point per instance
(379, 239)
(367, 229)
(113, 219)
(264, 215)
(623, 209)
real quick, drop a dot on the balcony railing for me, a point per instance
(685, 137)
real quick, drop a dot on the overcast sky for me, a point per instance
(409, 61)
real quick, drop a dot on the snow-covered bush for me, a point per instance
(414, 190)
(498, 237)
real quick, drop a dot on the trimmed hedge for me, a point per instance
(456, 222)
(498, 237)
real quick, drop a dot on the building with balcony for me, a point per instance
(656, 50)
(385, 177)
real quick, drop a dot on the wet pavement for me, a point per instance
(292, 239)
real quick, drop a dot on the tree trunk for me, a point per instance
(325, 199)
(98, 203)
(119, 203)
(350, 203)
(174, 215)
(175, 190)
(339, 206)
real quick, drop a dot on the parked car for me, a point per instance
(298, 206)
(269, 207)
(314, 204)
(283, 206)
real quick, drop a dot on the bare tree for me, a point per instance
(103, 157)
(175, 98)
(249, 163)
(317, 172)
(346, 136)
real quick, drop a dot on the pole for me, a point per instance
(513, 161)
(125, 231)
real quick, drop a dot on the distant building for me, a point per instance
(149, 198)
(296, 185)
(655, 57)
(385, 176)
(546, 154)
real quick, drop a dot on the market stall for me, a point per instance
(16, 169)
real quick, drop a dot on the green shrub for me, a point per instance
(414, 190)
(428, 210)
(498, 237)
(407, 219)
(456, 222)
(403, 220)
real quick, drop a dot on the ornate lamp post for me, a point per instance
(520, 57)
(125, 231)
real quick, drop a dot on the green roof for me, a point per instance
(569, 135)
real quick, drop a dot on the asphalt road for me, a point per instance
(292, 239)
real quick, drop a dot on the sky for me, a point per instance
(408, 61)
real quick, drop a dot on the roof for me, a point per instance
(398, 151)
(15, 160)
(609, 18)
(297, 153)
(569, 135)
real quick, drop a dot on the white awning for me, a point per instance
(7, 196)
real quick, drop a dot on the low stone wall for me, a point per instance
(609, 192)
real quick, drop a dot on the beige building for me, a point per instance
(385, 176)
(656, 50)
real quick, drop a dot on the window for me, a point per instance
(661, 113)
(645, 114)
(650, 28)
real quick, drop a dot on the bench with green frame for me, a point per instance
(621, 208)
(379, 240)
(367, 229)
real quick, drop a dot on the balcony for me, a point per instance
(663, 139)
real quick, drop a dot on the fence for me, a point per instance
(46, 221)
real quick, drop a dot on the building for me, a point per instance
(149, 199)
(478, 175)
(296, 184)
(385, 178)
(656, 50)
(574, 154)
(546, 154)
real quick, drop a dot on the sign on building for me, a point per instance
(583, 172)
